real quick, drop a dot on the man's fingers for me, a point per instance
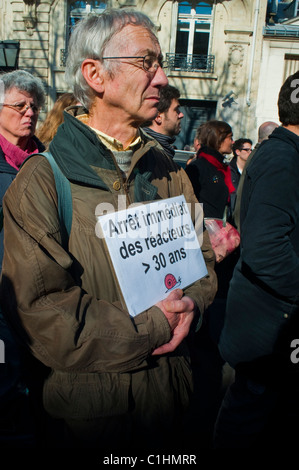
(176, 294)
(179, 334)
(168, 347)
(179, 305)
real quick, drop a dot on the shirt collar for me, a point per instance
(110, 142)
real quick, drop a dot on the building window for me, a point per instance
(192, 40)
(193, 29)
(291, 65)
(77, 10)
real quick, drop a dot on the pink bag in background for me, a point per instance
(223, 236)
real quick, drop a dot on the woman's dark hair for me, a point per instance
(213, 133)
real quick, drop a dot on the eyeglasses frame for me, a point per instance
(159, 64)
(33, 107)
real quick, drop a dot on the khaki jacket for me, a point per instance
(68, 303)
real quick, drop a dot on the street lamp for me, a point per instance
(9, 55)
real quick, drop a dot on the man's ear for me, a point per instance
(158, 119)
(92, 71)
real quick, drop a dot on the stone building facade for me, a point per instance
(219, 53)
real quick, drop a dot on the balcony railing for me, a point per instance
(280, 30)
(187, 63)
(63, 56)
(190, 63)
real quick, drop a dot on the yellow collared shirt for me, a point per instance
(110, 142)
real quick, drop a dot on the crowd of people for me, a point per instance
(208, 366)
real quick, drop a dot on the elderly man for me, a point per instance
(115, 381)
(167, 124)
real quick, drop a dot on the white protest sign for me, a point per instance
(154, 249)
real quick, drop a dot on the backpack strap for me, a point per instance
(64, 198)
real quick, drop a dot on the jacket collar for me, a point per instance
(233, 164)
(81, 155)
(6, 167)
(210, 151)
(286, 135)
(165, 141)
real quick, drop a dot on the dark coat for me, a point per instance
(236, 175)
(7, 175)
(11, 385)
(208, 184)
(210, 189)
(263, 294)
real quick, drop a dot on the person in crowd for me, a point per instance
(264, 130)
(196, 144)
(211, 180)
(197, 141)
(241, 149)
(210, 176)
(191, 159)
(260, 409)
(54, 118)
(116, 381)
(167, 124)
(21, 97)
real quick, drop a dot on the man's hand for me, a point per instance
(179, 312)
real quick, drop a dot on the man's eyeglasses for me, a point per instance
(150, 63)
(22, 107)
(247, 150)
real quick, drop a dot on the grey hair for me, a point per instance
(23, 81)
(89, 40)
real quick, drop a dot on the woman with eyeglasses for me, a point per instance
(21, 97)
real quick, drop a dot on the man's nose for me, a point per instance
(160, 78)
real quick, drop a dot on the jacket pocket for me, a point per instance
(86, 396)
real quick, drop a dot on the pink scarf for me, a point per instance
(14, 155)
